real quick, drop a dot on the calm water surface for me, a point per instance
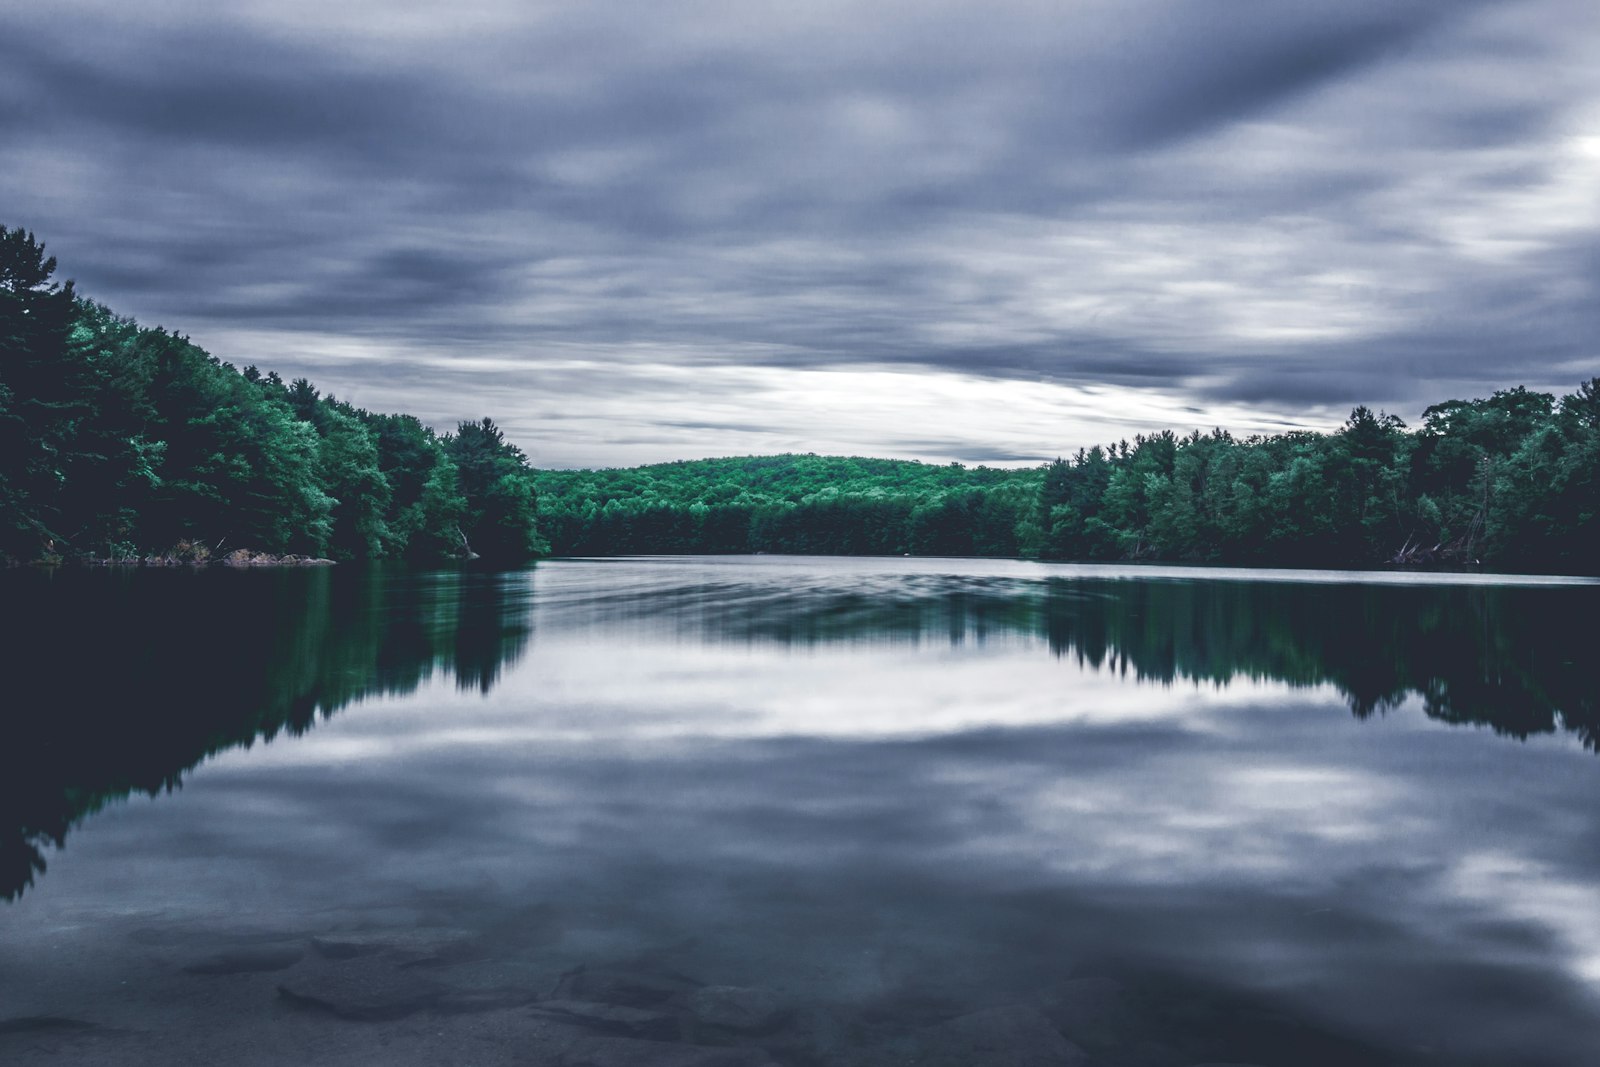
(748, 811)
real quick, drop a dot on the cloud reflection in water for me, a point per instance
(870, 784)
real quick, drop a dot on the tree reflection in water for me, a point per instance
(120, 683)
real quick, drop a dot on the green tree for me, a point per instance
(500, 516)
(41, 393)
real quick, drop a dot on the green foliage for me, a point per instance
(41, 387)
(425, 501)
(502, 505)
(793, 503)
(1508, 482)
(114, 437)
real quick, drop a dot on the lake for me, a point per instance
(801, 811)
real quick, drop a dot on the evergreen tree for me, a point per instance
(41, 393)
(499, 520)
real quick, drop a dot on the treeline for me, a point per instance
(1508, 482)
(116, 440)
(793, 504)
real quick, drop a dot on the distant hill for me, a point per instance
(792, 478)
(786, 503)
(1510, 482)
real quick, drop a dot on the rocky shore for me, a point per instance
(188, 556)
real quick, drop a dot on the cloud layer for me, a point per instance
(1247, 214)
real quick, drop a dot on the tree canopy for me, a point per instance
(117, 440)
(1506, 482)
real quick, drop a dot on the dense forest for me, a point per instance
(1509, 482)
(801, 504)
(117, 441)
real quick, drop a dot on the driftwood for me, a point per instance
(1457, 553)
(466, 549)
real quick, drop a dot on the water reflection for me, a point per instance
(891, 811)
(123, 682)
(1513, 657)
(120, 683)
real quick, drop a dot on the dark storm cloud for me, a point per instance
(1192, 67)
(256, 96)
(1267, 205)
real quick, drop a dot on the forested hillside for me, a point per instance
(821, 504)
(1507, 482)
(116, 440)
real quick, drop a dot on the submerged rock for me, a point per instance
(636, 984)
(249, 960)
(362, 991)
(612, 1018)
(735, 1007)
(1016, 1036)
(39, 1039)
(628, 1052)
(1090, 1009)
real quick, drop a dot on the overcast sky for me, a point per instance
(643, 231)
